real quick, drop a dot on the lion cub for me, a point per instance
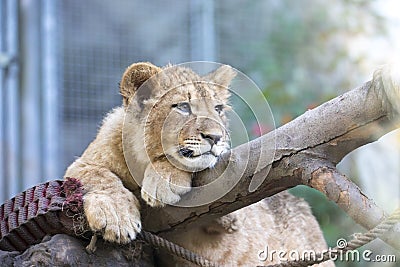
(171, 124)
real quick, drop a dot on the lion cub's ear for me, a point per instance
(134, 76)
(223, 77)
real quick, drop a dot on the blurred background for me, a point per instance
(61, 62)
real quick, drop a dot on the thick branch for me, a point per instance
(328, 132)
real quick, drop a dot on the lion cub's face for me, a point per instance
(193, 134)
(183, 115)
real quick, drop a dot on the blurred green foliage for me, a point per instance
(305, 58)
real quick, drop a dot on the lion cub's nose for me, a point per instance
(211, 138)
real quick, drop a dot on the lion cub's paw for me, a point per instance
(116, 216)
(153, 202)
(159, 190)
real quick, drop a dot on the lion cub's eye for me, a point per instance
(183, 107)
(219, 108)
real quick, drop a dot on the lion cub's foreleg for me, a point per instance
(164, 184)
(110, 208)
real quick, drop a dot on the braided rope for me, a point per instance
(26, 218)
(358, 241)
(160, 242)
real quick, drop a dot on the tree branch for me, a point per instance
(351, 199)
(285, 156)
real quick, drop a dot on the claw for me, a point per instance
(91, 248)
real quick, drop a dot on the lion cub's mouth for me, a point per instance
(189, 153)
(195, 159)
(195, 147)
(186, 152)
(194, 154)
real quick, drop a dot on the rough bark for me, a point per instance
(319, 138)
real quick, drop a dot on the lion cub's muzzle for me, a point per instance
(200, 144)
(212, 144)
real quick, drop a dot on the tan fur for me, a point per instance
(166, 141)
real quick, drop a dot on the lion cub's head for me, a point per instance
(179, 114)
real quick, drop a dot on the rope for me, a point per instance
(358, 241)
(160, 242)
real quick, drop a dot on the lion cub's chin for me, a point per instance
(194, 164)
